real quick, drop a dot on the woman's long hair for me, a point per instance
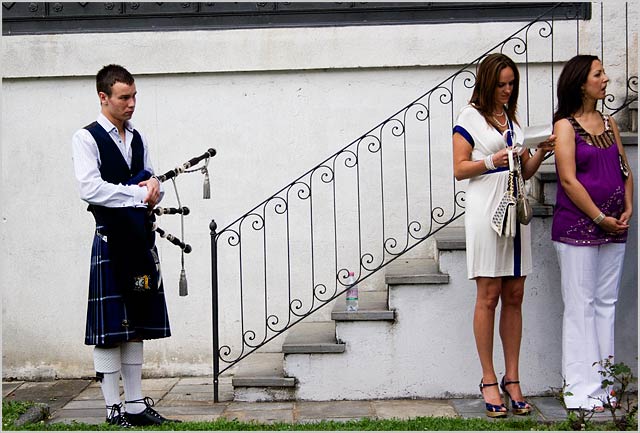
(488, 75)
(573, 76)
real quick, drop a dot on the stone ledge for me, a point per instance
(546, 173)
(629, 138)
(373, 306)
(282, 382)
(262, 370)
(312, 337)
(415, 271)
(361, 315)
(450, 239)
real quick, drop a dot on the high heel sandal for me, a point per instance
(517, 407)
(492, 410)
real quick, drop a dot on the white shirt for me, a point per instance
(86, 162)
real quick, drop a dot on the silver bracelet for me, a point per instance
(488, 162)
(599, 218)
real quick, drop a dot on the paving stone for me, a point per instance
(208, 380)
(88, 416)
(261, 416)
(209, 410)
(54, 393)
(196, 418)
(242, 406)
(159, 384)
(181, 399)
(188, 389)
(191, 399)
(94, 412)
(318, 420)
(155, 395)
(475, 408)
(57, 388)
(333, 410)
(406, 409)
(471, 408)
(83, 420)
(9, 387)
(85, 404)
(92, 393)
(549, 407)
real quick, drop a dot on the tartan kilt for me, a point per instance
(115, 315)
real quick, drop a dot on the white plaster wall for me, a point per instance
(273, 102)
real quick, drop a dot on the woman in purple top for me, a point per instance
(590, 223)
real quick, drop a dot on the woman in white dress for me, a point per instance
(498, 264)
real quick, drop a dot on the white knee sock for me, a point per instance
(107, 362)
(131, 353)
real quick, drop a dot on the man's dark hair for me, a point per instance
(111, 74)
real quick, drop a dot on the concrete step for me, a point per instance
(541, 209)
(414, 271)
(372, 306)
(312, 337)
(543, 187)
(262, 370)
(451, 239)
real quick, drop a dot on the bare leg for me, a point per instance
(488, 295)
(511, 331)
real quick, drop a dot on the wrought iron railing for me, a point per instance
(366, 205)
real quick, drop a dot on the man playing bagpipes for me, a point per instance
(126, 294)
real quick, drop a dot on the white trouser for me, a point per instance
(590, 281)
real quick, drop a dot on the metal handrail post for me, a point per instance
(214, 308)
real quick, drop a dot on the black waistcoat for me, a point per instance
(128, 229)
(113, 167)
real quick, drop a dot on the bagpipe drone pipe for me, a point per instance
(187, 167)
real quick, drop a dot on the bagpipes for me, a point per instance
(182, 210)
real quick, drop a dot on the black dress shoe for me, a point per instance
(148, 416)
(116, 417)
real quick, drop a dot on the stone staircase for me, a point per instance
(339, 359)
(415, 339)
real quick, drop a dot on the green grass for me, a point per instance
(11, 410)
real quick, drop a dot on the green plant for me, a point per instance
(616, 381)
(578, 419)
(11, 411)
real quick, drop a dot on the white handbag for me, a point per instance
(503, 220)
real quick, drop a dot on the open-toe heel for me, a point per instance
(492, 410)
(517, 407)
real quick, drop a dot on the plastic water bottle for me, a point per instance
(352, 293)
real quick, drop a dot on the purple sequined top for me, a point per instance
(598, 170)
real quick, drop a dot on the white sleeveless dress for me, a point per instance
(489, 255)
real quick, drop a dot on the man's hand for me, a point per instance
(153, 191)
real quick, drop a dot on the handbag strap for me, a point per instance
(511, 186)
